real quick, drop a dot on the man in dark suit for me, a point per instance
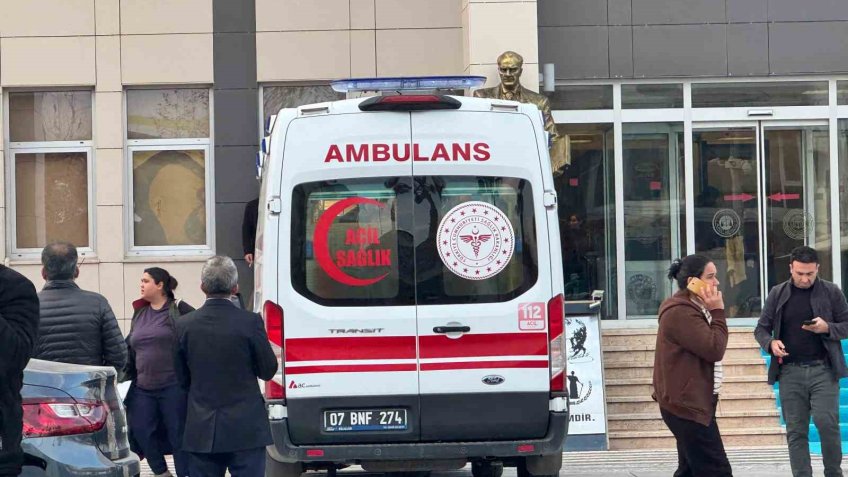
(222, 350)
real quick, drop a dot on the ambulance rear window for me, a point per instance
(426, 240)
(347, 246)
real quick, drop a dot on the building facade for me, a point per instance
(130, 127)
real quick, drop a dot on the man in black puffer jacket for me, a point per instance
(77, 326)
(18, 332)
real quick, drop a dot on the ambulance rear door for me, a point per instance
(482, 276)
(346, 279)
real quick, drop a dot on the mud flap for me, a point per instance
(543, 464)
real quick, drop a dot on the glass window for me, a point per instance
(842, 92)
(49, 170)
(732, 95)
(275, 98)
(653, 212)
(727, 219)
(651, 96)
(797, 196)
(50, 116)
(167, 113)
(586, 198)
(169, 197)
(366, 242)
(51, 198)
(349, 247)
(581, 97)
(843, 199)
(168, 132)
(441, 199)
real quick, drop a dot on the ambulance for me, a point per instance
(408, 273)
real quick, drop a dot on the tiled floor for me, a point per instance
(748, 462)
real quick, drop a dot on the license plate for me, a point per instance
(353, 420)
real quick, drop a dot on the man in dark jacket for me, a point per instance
(801, 326)
(77, 326)
(222, 350)
(248, 230)
(18, 332)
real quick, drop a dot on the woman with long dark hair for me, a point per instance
(691, 341)
(156, 404)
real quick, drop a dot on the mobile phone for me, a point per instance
(808, 322)
(697, 286)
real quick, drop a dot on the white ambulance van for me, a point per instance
(408, 271)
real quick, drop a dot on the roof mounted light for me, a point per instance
(408, 83)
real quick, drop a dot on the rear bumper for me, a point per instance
(283, 450)
(73, 456)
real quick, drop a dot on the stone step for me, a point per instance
(644, 369)
(652, 421)
(751, 401)
(621, 354)
(765, 436)
(648, 336)
(643, 386)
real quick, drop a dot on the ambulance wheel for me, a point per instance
(282, 469)
(486, 469)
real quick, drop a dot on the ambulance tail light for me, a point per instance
(557, 352)
(420, 102)
(273, 315)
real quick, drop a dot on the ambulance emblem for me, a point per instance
(475, 240)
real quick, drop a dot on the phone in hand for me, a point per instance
(697, 286)
(808, 322)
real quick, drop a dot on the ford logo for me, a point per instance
(493, 379)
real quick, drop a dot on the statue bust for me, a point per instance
(510, 66)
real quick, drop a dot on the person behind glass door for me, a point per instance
(691, 341)
(801, 325)
(156, 403)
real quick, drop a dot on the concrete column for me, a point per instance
(491, 28)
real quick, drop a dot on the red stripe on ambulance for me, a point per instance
(334, 349)
(484, 365)
(352, 368)
(493, 344)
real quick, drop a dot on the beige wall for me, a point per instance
(299, 40)
(490, 28)
(106, 45)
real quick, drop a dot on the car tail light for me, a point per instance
(556, 332)
(421, 102)
(525, 448)
(273, 315)
(62, 417)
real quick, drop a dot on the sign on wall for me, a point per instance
(584, 375)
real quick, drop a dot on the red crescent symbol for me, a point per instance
(322, 247)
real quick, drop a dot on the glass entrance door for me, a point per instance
(761, 189)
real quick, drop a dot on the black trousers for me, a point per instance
(246, 463)
(147, 410)
(700, 452)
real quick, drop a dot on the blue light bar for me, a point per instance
(408, 83)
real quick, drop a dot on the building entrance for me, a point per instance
(761, 188)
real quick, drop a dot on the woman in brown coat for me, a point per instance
(691, 341)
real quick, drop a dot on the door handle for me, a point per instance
(451, 329)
